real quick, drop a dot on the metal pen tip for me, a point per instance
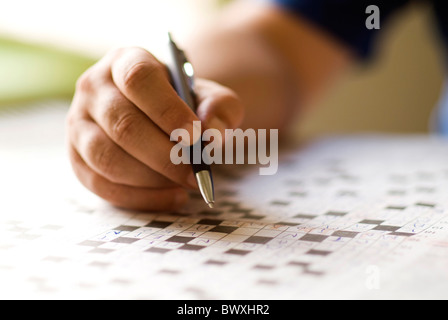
(205, 184)
(211, 205)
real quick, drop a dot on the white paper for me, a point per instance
(346, 217)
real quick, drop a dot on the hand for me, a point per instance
(119, 125)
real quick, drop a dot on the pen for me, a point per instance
(181, 72)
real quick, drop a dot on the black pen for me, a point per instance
(181, 72)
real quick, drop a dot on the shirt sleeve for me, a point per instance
(442, 21)
(344, 19)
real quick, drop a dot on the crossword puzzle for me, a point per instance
(334, 210)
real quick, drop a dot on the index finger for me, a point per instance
(145, 82)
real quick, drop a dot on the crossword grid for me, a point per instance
(318, 223)
(161, 236)
(301, 242)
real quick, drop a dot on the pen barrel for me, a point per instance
(197, 161)
(182, 81)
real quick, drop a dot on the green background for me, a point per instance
(30, 72)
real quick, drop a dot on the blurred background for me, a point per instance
(45, 45)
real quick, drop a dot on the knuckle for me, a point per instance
(105, 162)
(84, 82)
(114, 103)
(101, 156)
(138, 72)
(124, 129)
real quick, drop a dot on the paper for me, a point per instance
(346, 217)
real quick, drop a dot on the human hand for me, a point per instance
(119, 125)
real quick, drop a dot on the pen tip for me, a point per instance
(211, 204)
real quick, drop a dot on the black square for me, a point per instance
(237, 252)
(215, 262)
(288, 224)
(191, 247)
(423, 204)
(304, 216)
(299, 264)
(158, 224)
(402, 234)
(386, 228)
(157, 250)
(314, 237)
(298, 194)
(252, 216)
(336, 213)
(345, 234)
(263, 267)
(223, 229)
(126, 228)
(368, 221)
(258, 239)
(179, 239)
(319, 252)
(279, 203)
(125, 240)
(396, 207)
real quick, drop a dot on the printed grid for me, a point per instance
(320, 218)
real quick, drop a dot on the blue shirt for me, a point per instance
(346, 21)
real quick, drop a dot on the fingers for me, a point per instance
(219, 107)
(136, 134)
(110, 161)
(145, 82)
(122, 115)
(150, 199)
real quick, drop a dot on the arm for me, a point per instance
(276, 62)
